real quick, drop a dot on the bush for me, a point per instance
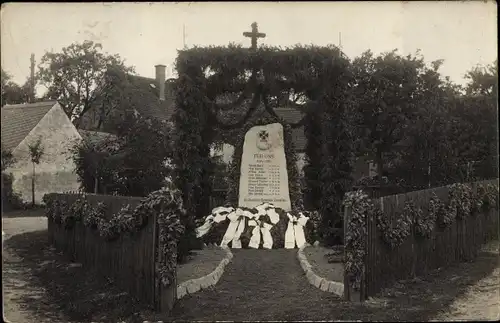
(10, 199)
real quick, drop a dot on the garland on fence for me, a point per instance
(165, 203)
(486, 197)
(355, 237)
(426, 222)
(395, 234)
(461, 203)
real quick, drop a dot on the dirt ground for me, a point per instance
(17, 290)
(481, 301)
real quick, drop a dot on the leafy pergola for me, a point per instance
(220, 89)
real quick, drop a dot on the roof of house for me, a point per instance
(145, 90)
(19, 119)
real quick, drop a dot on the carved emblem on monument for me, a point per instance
(263, 142)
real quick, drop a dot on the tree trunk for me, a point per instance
(33, 186)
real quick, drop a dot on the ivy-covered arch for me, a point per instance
(220, 89)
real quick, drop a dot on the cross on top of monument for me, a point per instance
(254, 35)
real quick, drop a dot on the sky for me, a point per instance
(464, 34)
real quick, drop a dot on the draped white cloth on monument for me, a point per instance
(260, 220)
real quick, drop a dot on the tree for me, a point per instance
(13, 93)
(36, 153)
(76, 76)
(385, 87)
(118, 165)
(7, 159)
(92, 166)
(427, 159)
(483, 80)
(139, 137)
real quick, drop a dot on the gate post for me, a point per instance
(349, 293)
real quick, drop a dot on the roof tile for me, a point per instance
(19, 119)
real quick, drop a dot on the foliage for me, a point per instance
(10, 199)
(486, 197)
(12, 93)
(483, 80)
(36, 151)
(7, 159)
(139, 137)
(386, 86)
(93, 164)
(119, 163)
(355, 237)
(461, 201)
(76, 75)
(453, 134)
(312, 167)
(425, 222)
(394, 233)
(165, 205)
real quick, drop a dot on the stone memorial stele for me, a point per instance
(263, 173)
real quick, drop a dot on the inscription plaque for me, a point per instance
(263, 173)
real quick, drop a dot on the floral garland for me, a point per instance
(486, 197)
(355, 238)
(395, 234)
(460, 200)
(461, 203)
(166, 203)
(426, 222)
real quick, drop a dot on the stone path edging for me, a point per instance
(194, 285)
(315, 280)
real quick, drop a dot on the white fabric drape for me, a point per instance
(260, 228)
(294, 234)
(220, 213)
(201, 231)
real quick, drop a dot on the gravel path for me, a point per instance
(481, 302)
(17, 290)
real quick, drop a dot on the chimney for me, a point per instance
(160, 80)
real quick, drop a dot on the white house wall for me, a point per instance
(55, 173)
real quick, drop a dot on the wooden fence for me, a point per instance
(129, 260)
(460, 241)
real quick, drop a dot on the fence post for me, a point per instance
(168, 294)
(164, 296)
(349, 293)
